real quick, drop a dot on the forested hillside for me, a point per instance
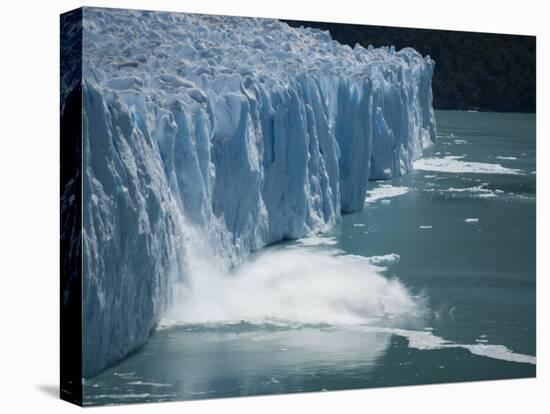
(478, 71)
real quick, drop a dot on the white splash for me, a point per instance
(295, 286)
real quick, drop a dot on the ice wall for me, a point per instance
(231, 133)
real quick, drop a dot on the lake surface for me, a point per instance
(448, 253)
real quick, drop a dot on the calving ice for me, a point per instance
(208, 167)
(211, 136)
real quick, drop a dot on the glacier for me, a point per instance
(223, 135)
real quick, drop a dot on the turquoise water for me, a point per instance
(458, 234)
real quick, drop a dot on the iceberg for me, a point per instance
(220, 135)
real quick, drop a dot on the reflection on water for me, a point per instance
(236, 360)
(190, 362)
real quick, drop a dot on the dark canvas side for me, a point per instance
(71, 206)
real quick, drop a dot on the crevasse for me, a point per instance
(229, 132)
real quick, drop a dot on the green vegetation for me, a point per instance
(474, 71)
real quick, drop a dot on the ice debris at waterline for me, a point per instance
(455, 164)
(384, 192)
(235, 132)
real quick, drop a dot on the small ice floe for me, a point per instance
(358, 225)
(479, 191)
(500, 157)
(125, 374)
(425, 340)
(385, 191)
(149, 384)
(460, 141)
(471, 220)
(425, 227)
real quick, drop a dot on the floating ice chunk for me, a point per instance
(471, 220)
(425, 227)
(384, 259)
(453, 164)
(385, 191)
(358, 225)
(506, 158)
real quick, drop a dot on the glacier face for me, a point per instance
(228, 133)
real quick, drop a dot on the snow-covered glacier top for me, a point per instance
(208, 137)
(175, 54)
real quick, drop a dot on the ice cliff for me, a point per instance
(228, 132)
